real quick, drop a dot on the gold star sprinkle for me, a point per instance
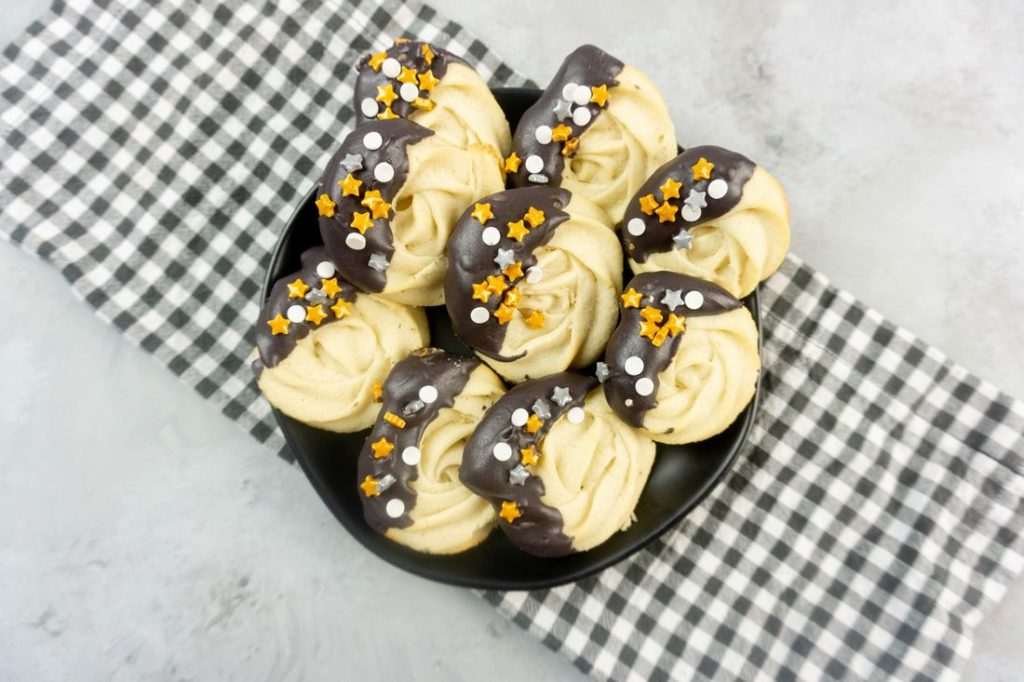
(533, 424)
(394, 420)
(386, 94)
(361, 221)
(651, 314)
(702, 169)
(428, 54)
(660, 337)
(667, 213)
(631, 298)
(512, 163)
(297, 288)
(561, 132)
(517, 230)
(676, 324)
(369, 486)
(325, 206)
(376, 60)
(509, 511)
(340, 308)
(481, 292)
(496, 284)
(350, 186)
(514, 271)
(482, 212)
(428, 82)
(670, 190)
(529, 456)
(387, 114)
(315, 314)
(407, 76)
(380, 209)
(599, 95)
(330, 287)
(382, 447)
(378, 391)
(423, 103)
(278, 325)
(371, 197)
(648, 329)
(648, 203)
(504, 313)
(570, 146)
(534, 216)
(535, 320)
(512, 297)
(400, 41)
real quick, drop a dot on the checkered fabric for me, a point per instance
(151, 152)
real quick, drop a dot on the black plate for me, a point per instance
(682, 475)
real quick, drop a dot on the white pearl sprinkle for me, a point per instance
(575, 415)
(395, 508)
(411, 455)
(644, 386)
(372, 140)
(502, 452)
(428, 394)
(325, 268)
(633, 365)
(355, 241)
(383, 172)
(581, 95)
(543, 134)
(717, 188)
(520, 417)
(534, 164)
(491, 236)
(408, 92)
(581, 116)
(693, 300)
(479, 314)
(534, 274)
(628, 402)
(569, 90)
(369, 107)
(296, 313)
(689, 213)
(391, 68)
(636, 227)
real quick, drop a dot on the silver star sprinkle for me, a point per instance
(378, 262)
(505, 258)
(518, 475)
(537, 178)
(385, 482)
(601, 372)
(541, 408)
(352, 162)
(316, 296)
(673, 298)
(683, 240)
(412, 407)
(695, 199)
(562, 109)
(561, 396)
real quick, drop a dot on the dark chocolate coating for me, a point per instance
(448, 374)
(539, 529)
(626, 341)
(471, 261)
(586, 65)
(409, 54)
(398, 135)
(275, 347)
(734, 168)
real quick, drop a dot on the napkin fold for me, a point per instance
(152, 151)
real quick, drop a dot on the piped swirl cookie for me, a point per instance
(599, 129)
(322, 346)
(533, 280)
(563, 472)
(389, 200)
(409, 467)
(710, 213)
(683, 362)
(434, 88)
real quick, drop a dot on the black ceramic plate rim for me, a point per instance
(323, 489)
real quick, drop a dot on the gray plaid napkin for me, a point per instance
(152, 151)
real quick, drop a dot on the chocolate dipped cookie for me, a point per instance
(533, 280)
(684, 361)
(322, 346)
(599, 129)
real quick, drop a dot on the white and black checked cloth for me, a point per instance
(152, 152)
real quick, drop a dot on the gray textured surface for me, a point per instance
(144, 537)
